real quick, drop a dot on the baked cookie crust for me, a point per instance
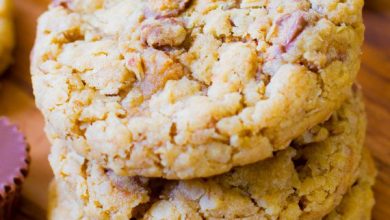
(305, 181)
(358, 202)
(181, 89)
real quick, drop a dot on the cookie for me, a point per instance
(358, 202)
(6, 34)
(304, 181)
(14, 165)
(181, 89)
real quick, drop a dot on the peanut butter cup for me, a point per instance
(14, 164)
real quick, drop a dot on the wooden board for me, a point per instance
(17, 102)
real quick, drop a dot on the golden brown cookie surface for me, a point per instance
(304, 181)
(358, 202)
(182, 89)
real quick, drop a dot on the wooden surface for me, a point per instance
(17, 102)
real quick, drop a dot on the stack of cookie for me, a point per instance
(204, 109)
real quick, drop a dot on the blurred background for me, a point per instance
(379, 5)
(16, 101)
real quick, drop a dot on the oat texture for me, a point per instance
(181, 89)
(6, 34)
(304, 181)
(358, 202)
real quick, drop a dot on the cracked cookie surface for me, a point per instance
(305, 181)
(6, 34)
(357, 203)
(181, 89)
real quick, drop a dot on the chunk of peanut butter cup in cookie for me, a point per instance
(290, 27)
(158, 69)
(163, 32)
(195, 87)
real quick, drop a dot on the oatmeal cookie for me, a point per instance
(304, 181)
(181, 89)
(6, 34)
(358, 202)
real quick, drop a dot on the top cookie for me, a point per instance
(6, 34)
(182, 89)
